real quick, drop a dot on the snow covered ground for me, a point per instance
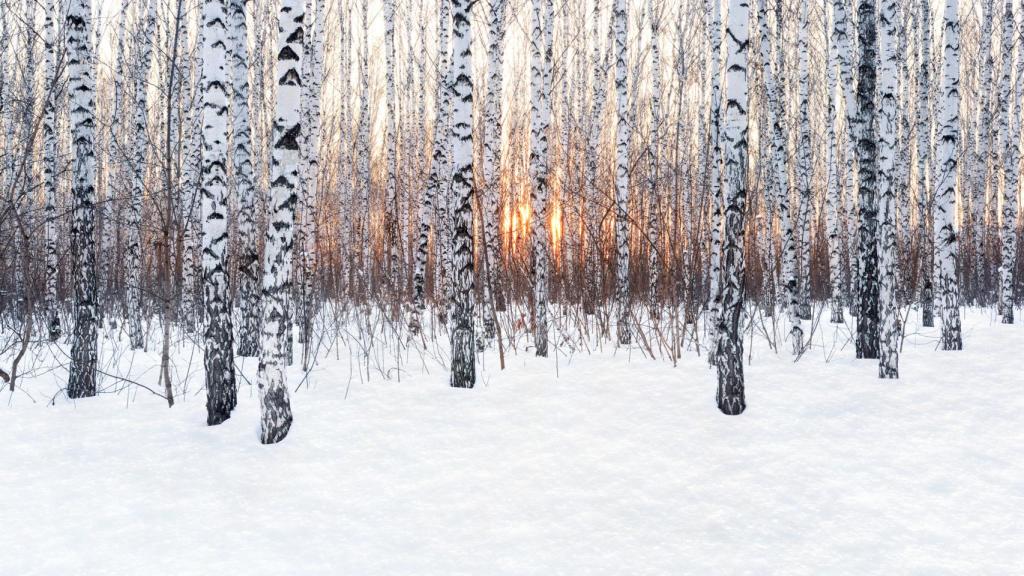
(616, 465)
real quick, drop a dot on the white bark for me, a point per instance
(462, 332)
(540, 121)
(82, 89)
(888, 181)
(275, 406)
(245, 189)
(729, 353)
(946, 238)
(218, 355)
(620, 22)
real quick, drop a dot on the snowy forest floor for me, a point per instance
(603, 463)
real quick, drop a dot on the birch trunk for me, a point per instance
(729, 354)
(82, 89)
(245, 190)
(888, 181)
(620, 21)
(946, 237)
(867, 153)
(540, 120)
(462, 332)
(275, 406)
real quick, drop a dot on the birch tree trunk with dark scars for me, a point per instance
(540, 120)
(218, 336)
(946, 237)
(248, 256)
(867, 154)
(729, 353)
(133, 296)
(780, 132)
(888, 180)
(50, 174)
(804, 169)
(461, 136)
(492, 162)
(713, 20)
(924, 129)
(833, 199)
(82, 89)
(438, 166)
(654, 162)
(275, 406)
(1010, 145)
(620, 21)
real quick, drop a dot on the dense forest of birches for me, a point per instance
(663, 174)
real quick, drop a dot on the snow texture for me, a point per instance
(608, 463)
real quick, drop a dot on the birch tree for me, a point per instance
(1012, 155)
(275, 406)
(540, 120)
(390, 143)
(620, 21)
(82, 89)
(218, 356)
(247, 258)
(867, 154)
(833, 200)
(924, 132)
(804, 167)
(139, 146)
(780, 132)
(438, 162)
(653, 158)
(729, 354)
(492, 161)
(713, 20)
(462, 333)
(50, 169)
(1009, 140)
(888, 180)
(946, 238)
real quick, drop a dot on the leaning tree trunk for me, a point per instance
(275, 407)
(248, 255)
(218, 357)
(620, 21)
(888, 180)
(729, 354)
(461, 137)
(82, 88)
(867, 153)
(946, 238)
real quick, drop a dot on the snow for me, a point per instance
(608, 463)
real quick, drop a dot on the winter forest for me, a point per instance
(330, 218)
